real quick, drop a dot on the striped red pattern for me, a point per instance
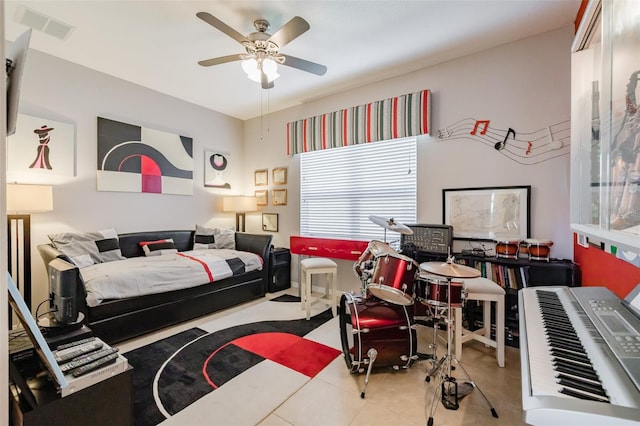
(204, 265)
(392, 118)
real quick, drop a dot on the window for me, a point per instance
(341, 187)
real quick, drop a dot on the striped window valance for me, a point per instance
(392, 118)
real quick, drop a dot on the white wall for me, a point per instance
(523, 85)
(63, 91)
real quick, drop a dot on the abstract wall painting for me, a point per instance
(216, 165)
(138, 159)
(40, 148)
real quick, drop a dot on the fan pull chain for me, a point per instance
(262, 114)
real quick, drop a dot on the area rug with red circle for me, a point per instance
(171, 374)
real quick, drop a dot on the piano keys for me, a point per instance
(580, 357)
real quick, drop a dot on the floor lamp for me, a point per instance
(240, 205)
(21, 201)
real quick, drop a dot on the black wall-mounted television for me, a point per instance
(15, 63)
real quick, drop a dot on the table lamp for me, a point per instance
(240, 204)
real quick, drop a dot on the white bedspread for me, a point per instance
(157, 274)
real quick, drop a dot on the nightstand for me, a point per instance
(279, 269)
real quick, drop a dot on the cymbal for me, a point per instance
(391, 225)
(452, 270)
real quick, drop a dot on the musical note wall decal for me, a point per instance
(553, 144)
(485, 123)
(500, 145)
(442, 134)
(529, 145)
(525, 148)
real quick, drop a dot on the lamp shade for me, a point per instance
(239, 204)
(29, 198)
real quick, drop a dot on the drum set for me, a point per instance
(378, 324)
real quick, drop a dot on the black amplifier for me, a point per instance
(428, 239)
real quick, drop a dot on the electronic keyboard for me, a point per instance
(580, 356)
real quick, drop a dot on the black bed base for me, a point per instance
(136, 323)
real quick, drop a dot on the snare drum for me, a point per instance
(434, 290)
(393, 278)
(366, 262)
(538, 249)
(371, 323)
(507, 248)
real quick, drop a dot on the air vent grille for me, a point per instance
(41, 22)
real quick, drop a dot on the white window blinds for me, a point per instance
(340, 188)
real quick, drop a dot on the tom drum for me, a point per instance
(393, 278)
(366, 261)
(434, 290)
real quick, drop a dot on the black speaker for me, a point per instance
(279, 270)
(63, 278)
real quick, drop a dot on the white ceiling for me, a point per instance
(157, 44)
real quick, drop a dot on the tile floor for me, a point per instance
(392, 397)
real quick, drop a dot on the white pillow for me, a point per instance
(225, 238)
(85, 249)
(204, 238)
(214, 238)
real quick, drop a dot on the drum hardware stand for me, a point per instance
(434, 345)
(448, 389)
(372, 354)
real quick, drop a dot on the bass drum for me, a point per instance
(367, 323)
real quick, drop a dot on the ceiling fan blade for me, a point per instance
(289, 31)
(221, 60)
(304, 65)
(216, 23)
(265, 81)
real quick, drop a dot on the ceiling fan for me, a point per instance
(263, 49)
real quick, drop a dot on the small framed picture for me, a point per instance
(261, 177)
(262, 197)
(279, 197)
(279, 176)
(270, 222)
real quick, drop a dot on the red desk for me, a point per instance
(327, 247)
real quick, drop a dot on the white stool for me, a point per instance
(318, 265)
(486, 291)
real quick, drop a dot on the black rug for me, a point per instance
(194, 363)
(286, 298)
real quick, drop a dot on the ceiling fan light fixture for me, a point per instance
(262, 57)
(251, 67)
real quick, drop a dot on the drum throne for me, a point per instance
(313, 266)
